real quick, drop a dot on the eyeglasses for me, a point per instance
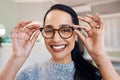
(65, 31)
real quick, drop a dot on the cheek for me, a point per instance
(72, 41)
(46, 41)
(73, 38)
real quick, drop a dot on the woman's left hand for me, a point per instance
(94, 41)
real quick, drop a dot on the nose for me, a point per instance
(56, 37)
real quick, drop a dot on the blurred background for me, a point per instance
(13, 11)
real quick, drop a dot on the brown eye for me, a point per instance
(48, 30)
(65, 30)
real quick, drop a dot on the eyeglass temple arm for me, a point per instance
(74, 28)
(41, 29)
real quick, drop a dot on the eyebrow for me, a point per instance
(65, 25)
(49, 26)
(61, 25)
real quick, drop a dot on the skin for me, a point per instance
(23, 39)
(56, 18)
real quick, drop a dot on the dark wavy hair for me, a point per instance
(84, 69)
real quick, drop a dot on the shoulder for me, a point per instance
(31, 72)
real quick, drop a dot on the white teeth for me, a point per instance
(59, 47)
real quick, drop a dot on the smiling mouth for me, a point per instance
(58, 48)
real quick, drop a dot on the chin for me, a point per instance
(61, 57)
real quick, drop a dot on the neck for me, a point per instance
(62, 60)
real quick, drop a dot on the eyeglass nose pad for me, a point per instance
(56, 33)
(56, 37)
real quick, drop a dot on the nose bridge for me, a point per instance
(57, 36)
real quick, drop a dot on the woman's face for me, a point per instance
(59, 48)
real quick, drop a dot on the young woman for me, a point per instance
(60, 30)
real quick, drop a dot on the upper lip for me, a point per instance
(57, 44)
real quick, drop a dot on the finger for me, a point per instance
(84, 19)
(87, 29)
(21, 25)
(99, 20)
(31, 27)
(92, 17)
(35, 36)
(95, 20)
(81, 36)
(32, 24)
(88, 20)
(30, 43)
(31, 32)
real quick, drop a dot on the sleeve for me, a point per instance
(32, 72)
(24, 74)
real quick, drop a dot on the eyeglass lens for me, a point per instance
(65, 31)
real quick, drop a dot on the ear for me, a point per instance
(76, 37)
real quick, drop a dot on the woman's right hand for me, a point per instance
(23, 38)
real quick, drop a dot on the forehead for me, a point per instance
(58, 17)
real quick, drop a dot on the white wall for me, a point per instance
(112, 32)
(8, 15)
